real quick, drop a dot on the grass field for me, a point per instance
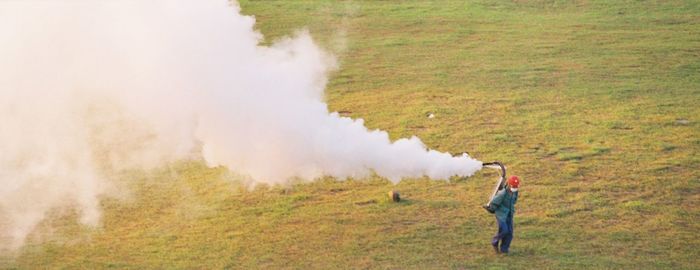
(594, 104)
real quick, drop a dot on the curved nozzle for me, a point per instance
(496, 165)
(501, 181)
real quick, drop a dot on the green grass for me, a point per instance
(580, 98)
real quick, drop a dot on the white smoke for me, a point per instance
(90, 87)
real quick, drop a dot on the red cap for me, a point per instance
(514, 181)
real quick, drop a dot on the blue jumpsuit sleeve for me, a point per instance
(498, 199)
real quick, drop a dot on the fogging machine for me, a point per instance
(500, 184)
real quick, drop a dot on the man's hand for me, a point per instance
(486, 206)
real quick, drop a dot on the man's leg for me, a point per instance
(507, 238)
(502, 231)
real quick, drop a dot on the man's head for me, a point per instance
(514, 183)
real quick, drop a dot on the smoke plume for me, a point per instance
(89, 88)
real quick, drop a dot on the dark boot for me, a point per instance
(495, 248)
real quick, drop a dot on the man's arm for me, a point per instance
(498, 199)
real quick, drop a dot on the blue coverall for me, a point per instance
(504, 202)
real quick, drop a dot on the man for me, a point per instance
(503, 205)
